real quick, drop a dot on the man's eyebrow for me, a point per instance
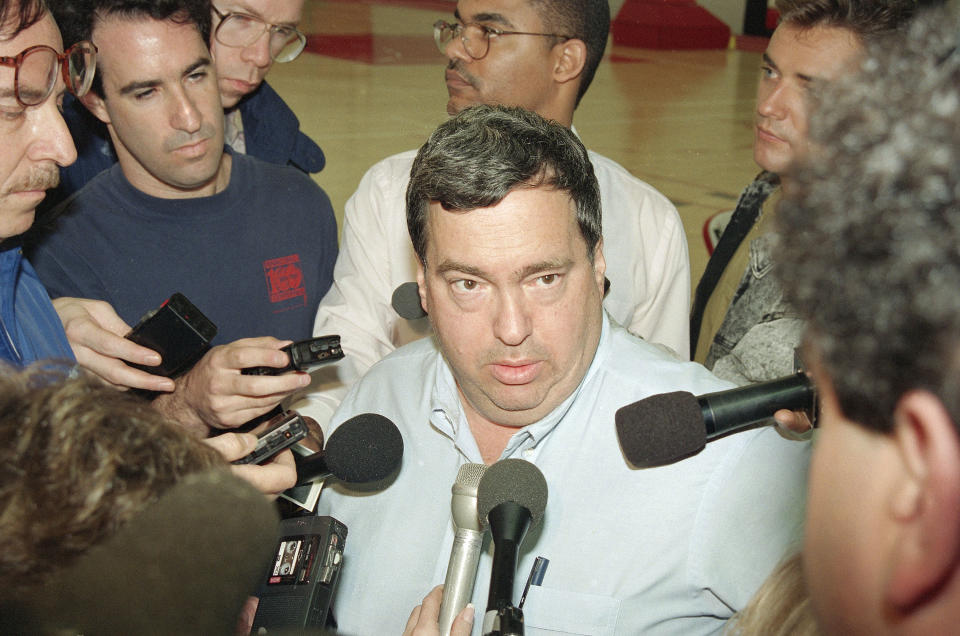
(801, 76)
(203, 61)
(450, 265)
(543, 266)
(243, 7)
(151, 83)
(497, 18)
(29, 94)
(138, 85)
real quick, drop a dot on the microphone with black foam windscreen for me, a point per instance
(666, 428)
(406, 301)
(467, 542)
(511, 498)
(366, 448)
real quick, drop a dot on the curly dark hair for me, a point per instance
(78, 459)
(19, 15)
(870, 250)
(475, 159)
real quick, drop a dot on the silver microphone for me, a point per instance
(465, 555)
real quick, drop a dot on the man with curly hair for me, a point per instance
(872, 264)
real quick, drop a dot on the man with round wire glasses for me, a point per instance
(476, 37)
(248, 37)
(34, 75)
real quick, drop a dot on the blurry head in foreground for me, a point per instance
(871, 257)
(104, 504)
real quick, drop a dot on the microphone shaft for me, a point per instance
(461, 575)
(739, 408)
(311, 467)
(509, 522)
(502, 574)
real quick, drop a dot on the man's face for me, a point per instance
(241, 69)
(161, 103)
(517, 69)
(35, 139)
(847, 532)
(795, 59)
(515, 302)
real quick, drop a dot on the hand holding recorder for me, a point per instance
(96, 335)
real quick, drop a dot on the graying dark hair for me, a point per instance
(871, 226)
(477, 158)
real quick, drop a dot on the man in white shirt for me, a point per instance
(504, 215)
(540, 56)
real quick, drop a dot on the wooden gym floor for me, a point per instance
(679, 120)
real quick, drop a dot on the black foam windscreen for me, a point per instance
(367, 447)
(185, 565)
(406, 301)
(661, 429)
(515, 480)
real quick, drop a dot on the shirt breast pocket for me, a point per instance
(761, 255)
(552, 612)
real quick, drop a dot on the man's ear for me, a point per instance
(925, 504)
(570, 57)
(599, 266)
(421, 285)
(96, 105)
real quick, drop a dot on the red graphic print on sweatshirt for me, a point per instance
(285, 282)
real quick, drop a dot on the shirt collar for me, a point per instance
(10, 257)
(448, 417)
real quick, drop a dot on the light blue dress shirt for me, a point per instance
(669, 550)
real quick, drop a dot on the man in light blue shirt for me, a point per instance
(504, 213)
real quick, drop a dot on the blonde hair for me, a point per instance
(781, 607)
(78, 459)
